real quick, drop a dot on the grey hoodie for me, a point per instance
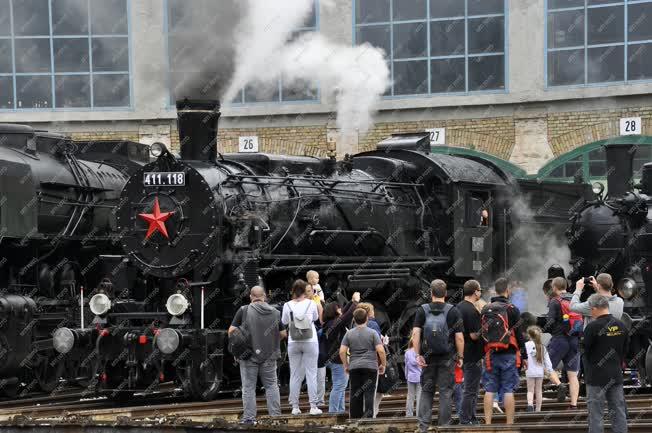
(264, 323)
(616, 305)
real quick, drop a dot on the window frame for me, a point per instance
(53, 74)
(582, 153)
(171, 104)
(626, 44)
(429, 58)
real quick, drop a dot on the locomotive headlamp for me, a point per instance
(177, 304)
(157, 149)
(63, 340)
(598, 188)
(627, 288)
(167, 340)
(99, 304)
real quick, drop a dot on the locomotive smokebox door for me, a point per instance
(473, 234)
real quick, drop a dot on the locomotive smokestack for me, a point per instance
(620, 168)
(197, 121)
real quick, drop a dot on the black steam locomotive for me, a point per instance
(613, 234)
(201, 228)
(56, 218)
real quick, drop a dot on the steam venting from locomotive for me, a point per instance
(197, 122)
(235, 45)
(355, 76)
(537, 252)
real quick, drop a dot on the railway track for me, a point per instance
(224, 414)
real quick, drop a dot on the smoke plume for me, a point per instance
(202, 39)
(265, 50)
(537, 248)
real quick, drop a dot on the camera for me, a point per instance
(587, 281)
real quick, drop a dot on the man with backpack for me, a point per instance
(260, 324)
(565, 327)
(439, 343)
(504, 350)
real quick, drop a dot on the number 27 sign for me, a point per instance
(437, 136)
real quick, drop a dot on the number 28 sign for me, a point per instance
(248, 144)
(631, 126)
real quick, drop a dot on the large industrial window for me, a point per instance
(64, 54)
(598, 41)
(200, 66)
(437, 46)
(589, 162)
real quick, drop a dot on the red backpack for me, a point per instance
(495, 331)
(574, 321)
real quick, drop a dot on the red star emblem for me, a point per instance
(156, 220)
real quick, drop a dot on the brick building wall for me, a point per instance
(568, 131)
(491, 135)
(106, 135)
(527, 141)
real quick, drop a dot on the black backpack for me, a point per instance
(436, 333)
(391, 380)
(495, 326)
(240, 339)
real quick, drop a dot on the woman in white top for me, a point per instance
(538, 366)
(303, 349)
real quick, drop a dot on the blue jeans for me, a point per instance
(340, 379)
(503, 377)
(615, 397)
(457, 398)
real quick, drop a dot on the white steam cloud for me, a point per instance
(355, 76)
(537, 249)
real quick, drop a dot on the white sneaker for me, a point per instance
(497, 407)
(315, 411)
(296, 411)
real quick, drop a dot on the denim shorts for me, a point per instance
(564, 348)
(503, 377)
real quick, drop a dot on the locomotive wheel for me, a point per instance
(202, 381)
(9, 390)
(84, 371)
(48, 372)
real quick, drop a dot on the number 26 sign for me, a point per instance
(248, 144)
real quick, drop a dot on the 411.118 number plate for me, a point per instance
(164, 179)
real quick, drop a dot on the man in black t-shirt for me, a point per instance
(473, 351)
(605, 345)
(438, 363)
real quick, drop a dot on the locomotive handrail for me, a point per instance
(325, 179)
(318, 187)
(372, 259)
(349, 265)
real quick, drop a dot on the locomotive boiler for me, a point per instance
(56, 218)
(613, 234)
(203, 227)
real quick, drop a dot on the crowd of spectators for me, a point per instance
(453, 350)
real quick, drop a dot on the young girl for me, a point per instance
(538, 365)
(413, 377)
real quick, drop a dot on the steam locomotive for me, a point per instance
(199, 229)
(613, 234)
(56, 219)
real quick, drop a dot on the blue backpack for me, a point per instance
(436, 333)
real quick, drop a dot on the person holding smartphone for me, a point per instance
(603, 285)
